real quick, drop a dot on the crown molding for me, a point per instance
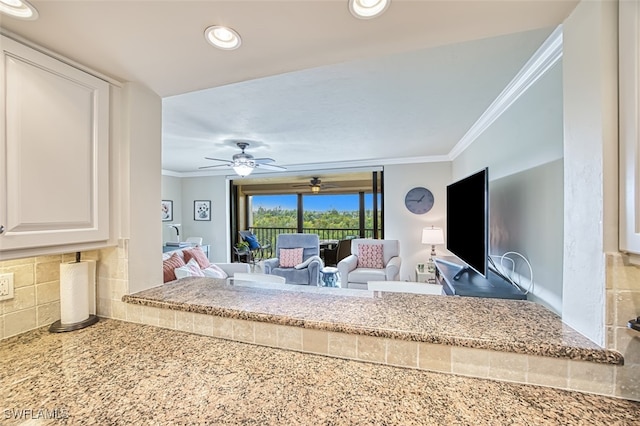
(542, 60)
(337, 165)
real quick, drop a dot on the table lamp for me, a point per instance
(432, 236)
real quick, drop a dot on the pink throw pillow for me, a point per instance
(197, 254)
(370, 256)
(290, 257)
(169, 265)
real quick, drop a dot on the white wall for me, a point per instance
(172, 190)
(590, 111)
(400, 223)
(523, 150)
(142, 123)
(527, 135)
(214, 232)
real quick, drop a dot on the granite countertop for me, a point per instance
(496, 324)
(119, 373)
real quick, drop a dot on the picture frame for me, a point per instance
(202, 210)
(167, 210)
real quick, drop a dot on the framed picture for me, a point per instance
(167, 210)
(202, 210)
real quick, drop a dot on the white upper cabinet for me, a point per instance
(629, 93)
(54, 152)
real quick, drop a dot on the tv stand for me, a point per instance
(456, 280)
(463, 270)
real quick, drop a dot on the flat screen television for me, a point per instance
(468, 222)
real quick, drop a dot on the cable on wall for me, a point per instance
(507, 276)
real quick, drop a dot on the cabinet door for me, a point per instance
(629, 43)
(54, 151)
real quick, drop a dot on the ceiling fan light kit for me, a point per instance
(243, 163)
(243, 169)
(316, 185)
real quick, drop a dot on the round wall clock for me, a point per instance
(418, 200)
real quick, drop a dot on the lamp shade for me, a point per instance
(432, 236)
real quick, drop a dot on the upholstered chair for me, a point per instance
(297, 259)
(370, 260)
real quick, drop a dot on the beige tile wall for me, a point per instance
(36, 301)
(112, 281)
(623, 304)
(558, 373)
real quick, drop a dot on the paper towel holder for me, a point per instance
(59, 327)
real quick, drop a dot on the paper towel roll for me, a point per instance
(77, 283)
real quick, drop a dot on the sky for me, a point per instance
(319, 202)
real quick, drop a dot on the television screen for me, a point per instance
(468, 220)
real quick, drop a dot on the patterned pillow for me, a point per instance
(197, 254)
(169, 265)
(191, 269)
(370, 256)
(289, 258)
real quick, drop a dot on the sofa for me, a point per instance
(190, 261)
(303, 270)
(379, 261)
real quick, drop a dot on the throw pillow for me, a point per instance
(214, 271)
(197, 254)
(169, 265)
(370, 256)
(191, 269)
(289, 258)
(252, 240)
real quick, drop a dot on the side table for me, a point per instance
(329, 276)
(425, 276)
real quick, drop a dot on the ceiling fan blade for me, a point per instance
(215, 165)
(270, 166)
(218, 159)
(303, 185)
(264, 160)
(329, 185)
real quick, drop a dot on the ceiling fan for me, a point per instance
(316, 185)
(243, 163)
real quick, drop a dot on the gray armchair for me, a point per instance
(353, 276)
(308, 274)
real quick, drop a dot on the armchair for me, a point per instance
(377, 265)
(307, 271)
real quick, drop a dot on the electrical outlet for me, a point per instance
(6, 286)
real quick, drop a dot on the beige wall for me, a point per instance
(623, 304)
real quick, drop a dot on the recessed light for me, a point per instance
(20, 9)
(367, 9)
(223, 37)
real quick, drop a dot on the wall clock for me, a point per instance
(418, 200)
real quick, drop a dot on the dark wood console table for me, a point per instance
(473, 284)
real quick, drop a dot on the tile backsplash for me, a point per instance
(36, 301)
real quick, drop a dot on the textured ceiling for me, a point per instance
(310, 83)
